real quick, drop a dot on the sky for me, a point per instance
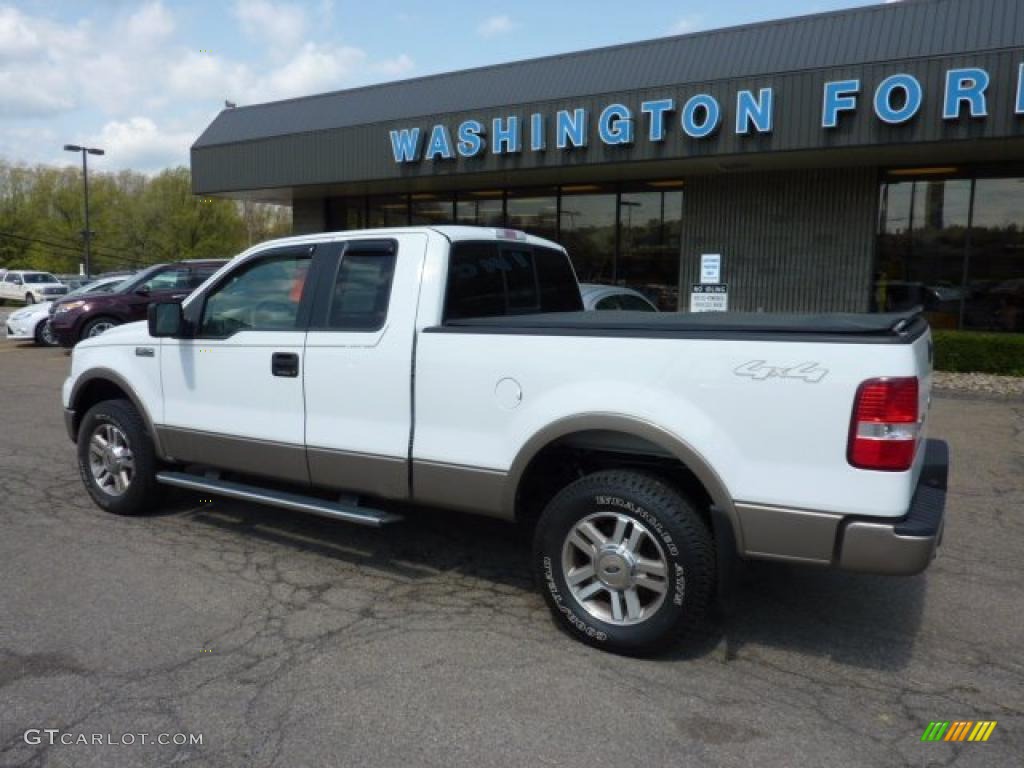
(143, 79)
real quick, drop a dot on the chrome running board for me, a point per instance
(349, 513)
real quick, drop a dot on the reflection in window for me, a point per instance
(388, 211)
(588, 233)
(994, 296)
(921, 246)
(651, 227)
(481, 209)
(533, 212)
(428, 209)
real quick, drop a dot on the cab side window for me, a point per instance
(170, 279)
(261, 296)
(362, 290)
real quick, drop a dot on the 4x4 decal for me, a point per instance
(759, 370)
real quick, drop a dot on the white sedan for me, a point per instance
(614, 297)
(33, 322)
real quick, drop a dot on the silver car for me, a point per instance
(33, 322)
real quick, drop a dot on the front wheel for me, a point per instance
(29, 299)
(116, 458)
(625, 561)
(98, 326)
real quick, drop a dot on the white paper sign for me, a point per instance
(709, 298)
(710, 268)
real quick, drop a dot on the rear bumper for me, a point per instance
(906, 546)
(894, 546)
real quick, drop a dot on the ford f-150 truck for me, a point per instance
(365, 375)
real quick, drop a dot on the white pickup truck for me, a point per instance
(364, 375)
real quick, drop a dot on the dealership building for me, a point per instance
(868, 159)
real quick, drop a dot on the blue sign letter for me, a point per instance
(965, 85)
(657, 109)
(615, 126)
(911, 99)
(405, 145)
(538, 141)
(712, 116)
(440, 144)
(571, 128)
(505, 136)
(470, 143)
(840, 96)
(756, 112)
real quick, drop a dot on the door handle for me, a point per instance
(284, 364)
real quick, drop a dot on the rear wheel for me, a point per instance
(626, 561)
(116, 458)
(97, 326)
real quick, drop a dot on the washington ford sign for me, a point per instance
(895, 100)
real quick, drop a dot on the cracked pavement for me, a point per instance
(290, 640)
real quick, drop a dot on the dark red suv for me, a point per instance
(91, 314)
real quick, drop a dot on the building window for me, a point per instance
(481, 209)
(346, 213)
(429, 209)
(533, 211)
(921, 246)
(994, 295)
(587, 231)
(954, 247)
(650, 228)
(392, 211)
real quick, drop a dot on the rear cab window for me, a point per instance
(493, 279)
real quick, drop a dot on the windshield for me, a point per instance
(99, 286)
(39, 277)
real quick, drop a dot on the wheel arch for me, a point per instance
(101, 384)
(637, 435)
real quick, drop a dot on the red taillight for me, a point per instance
(885, 425)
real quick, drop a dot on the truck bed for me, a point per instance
(893, 327)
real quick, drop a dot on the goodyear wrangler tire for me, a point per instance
(624, 561)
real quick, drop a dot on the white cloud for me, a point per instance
(17, 37)
(402, 64)
(496, 25)
(129, 78)
(140, 144)
(151, 24)
(278, 25)
(685, 25)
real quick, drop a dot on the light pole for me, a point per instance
(87, 234)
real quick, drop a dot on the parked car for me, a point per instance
(413, 368)
(85, 317)
(601, 297)
(33, 322)
(30, 286)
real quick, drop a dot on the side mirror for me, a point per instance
(142, 291)
(165, 319)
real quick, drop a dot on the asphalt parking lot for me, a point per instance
(288, 640)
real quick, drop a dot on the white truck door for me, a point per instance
(359, 354)
(233, 393)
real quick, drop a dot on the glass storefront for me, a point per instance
(587, 231)
(954, 246)
(533, 211)
(627, 236)
(427, 209)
